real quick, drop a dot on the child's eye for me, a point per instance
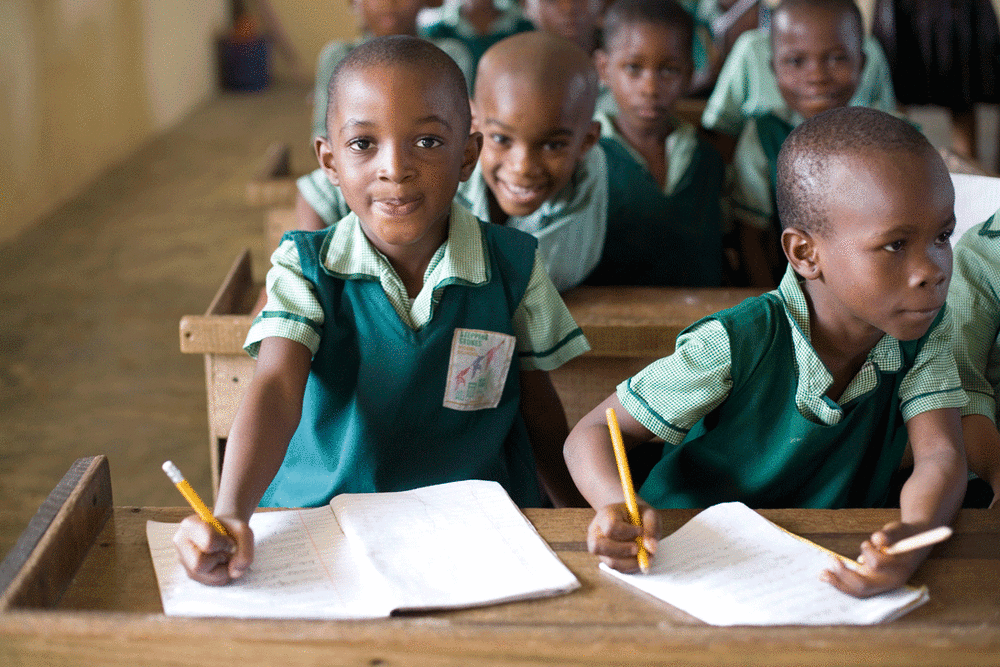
(429, 142)
(360, 144)
(500, 139)
(633, 69)
(670, 72)
(554, 145)
(794, 61)
(945, 236)
(895, 246)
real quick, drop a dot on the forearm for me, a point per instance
(591, 461)
(982, 448)
(934, 491)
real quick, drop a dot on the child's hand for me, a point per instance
(209, 557)
(876, 571)
(612, 536)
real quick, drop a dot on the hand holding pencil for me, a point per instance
(212, 552)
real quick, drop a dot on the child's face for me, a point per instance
(648, 67)
(885, 255)
(532, 142)
(817, 58)
(380, 18)
(397, 150)
(576, 20)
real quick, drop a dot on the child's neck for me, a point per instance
(497, 215)
(480, 13)
(842, 347)
(651, 145)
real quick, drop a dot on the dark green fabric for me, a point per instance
(655, 239)
(757, 448)
(772, 132)
(373, 417)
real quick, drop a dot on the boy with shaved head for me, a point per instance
(542, 170)
(807, 396)
(409, 343)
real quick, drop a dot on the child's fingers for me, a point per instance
(650, 529)
(847, 580)
(242, 556)
(203, 552)
(613, 547)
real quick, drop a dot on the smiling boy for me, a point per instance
(807, 396)
(817, 60)
(407, 345)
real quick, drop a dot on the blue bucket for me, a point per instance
(244, 65)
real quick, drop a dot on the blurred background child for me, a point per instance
(576, 20)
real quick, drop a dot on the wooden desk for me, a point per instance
(110, 613)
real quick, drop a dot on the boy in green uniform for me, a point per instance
(817, 61)
(646, 62)
(541, 172)
(807, 396)
(973, 298)
(407, 345)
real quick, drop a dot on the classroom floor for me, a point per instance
(92, 296)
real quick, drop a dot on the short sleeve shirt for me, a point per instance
(974, 298)
(680, 146)
(547, 336)
(672, 394)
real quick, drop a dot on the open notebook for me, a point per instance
(459, 544)
(731, 566)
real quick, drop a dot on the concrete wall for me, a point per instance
(83, 83)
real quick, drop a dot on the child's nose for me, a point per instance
(933, 268)
(521, 160)
(396, 164)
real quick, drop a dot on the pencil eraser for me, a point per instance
(172, 472)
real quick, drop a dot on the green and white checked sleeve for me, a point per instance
(670, 395)
(292, 310)
(975, 304)
(933, 381)
(547, 335)
(750, 181)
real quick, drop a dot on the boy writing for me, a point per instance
(973, 299)
(806, 396)
(817, 61)
(386, 352)
(646, 62)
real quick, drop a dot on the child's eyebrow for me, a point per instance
(354, 123)
(558, 132)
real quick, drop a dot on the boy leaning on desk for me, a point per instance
(806, 396)
(464, 311)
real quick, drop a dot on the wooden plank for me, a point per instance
(277, 221)
(47, 554)
(273, 183)
(111, 614)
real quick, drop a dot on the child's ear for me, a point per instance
(601, 63)
(471, 154)
(801, 251)
(589, 139)
(472, 110)
(325, 156)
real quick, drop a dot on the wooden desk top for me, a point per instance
(111, 613)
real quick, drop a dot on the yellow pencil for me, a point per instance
(193, 499)
(627, 488)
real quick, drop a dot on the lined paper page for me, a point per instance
(451, 545)
(731, 566)
(301, 569)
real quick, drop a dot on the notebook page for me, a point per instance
(731, 566)
(452, 545)
(301, 569)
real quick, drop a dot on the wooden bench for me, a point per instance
(628, 328)
(79, 589)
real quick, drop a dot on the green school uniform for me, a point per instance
(743, 409)
(397, 397)
(453, 26)
(754, 171)
(746, 86)
(662, 235)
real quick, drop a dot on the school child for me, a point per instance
(973, 300)
(817, 60)
(412, 340)
(541, 172)
(479, 24)
(377, 18)
(806, 396)
(746, 86)
(646, 63)
(576, 20)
